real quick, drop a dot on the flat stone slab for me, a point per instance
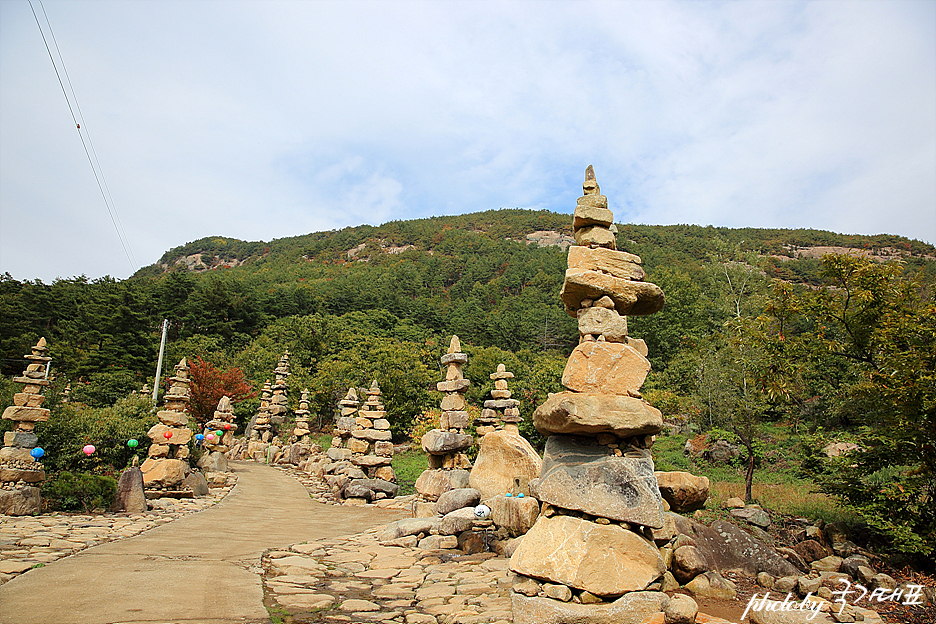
(630, 298)
(580, 413)
(578, 473)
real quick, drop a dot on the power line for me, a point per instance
(98, 171)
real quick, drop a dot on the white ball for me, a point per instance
(482, 512)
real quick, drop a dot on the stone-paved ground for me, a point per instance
(355, 579)
(27, 542)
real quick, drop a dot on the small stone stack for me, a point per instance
(260, 432)
(279, 403)
(167, 465)
(506, 461)
(371, 436)
(20, 472)
(347, 421)
(215, 460)
(592, 545)
(501, 412)
(361, 451)
(301, 431)
(445, 445)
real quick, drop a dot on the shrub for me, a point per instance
(70, 427)
(66, 491)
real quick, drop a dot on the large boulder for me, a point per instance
(725, 547)
(214, 461)
(604, 559)
(24, 501)
(632, 608)
(578, 473)
(579, 413)
(605, 368)
(431, 484)
(196, 482)
(682, 490)
(504, 456)
(130, 496)
(163, 472)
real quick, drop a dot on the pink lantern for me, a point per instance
(88, 449)
(210, 437)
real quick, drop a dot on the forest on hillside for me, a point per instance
(754, 330)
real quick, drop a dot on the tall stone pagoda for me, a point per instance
(599, 493)
(279, 402)
(167, 464)
(371, 445)
(20, 472)
(446, 445)
(301, 430)
(219, 437)
(260, 431)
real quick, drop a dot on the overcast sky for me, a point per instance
(261, 120)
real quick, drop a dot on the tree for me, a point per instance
(210, 383)
(883, 326)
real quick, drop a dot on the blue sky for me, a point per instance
(261, 120)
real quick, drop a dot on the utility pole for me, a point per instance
(162, 350)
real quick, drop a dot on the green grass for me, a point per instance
(408, 466)
(777, 485)
(323, 440)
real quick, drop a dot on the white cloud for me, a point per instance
(265, 120)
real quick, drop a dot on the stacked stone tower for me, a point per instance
(301, 431)
(167, 464)
(446, 445)
(347, 421)
(279, 403)
(221, 430)
(20, 472)
(371, 445)
(599, 493)
(500, 412)
(260, 431)
(222, 421)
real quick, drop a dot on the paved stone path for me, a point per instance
(27, 542)
(203, 567)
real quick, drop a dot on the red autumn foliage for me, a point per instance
(209, 384)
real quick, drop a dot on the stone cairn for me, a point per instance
(361, 451)
(260, 431)
(20, 472)
(301, 430)
(167, 465)
(214, 459)
(279, 403)
(500, 412)
(371, 445)
(446, 445)
(591, 554)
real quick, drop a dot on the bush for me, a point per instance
(71, 427)
(66, 491)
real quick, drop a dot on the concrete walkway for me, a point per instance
(202, 568)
